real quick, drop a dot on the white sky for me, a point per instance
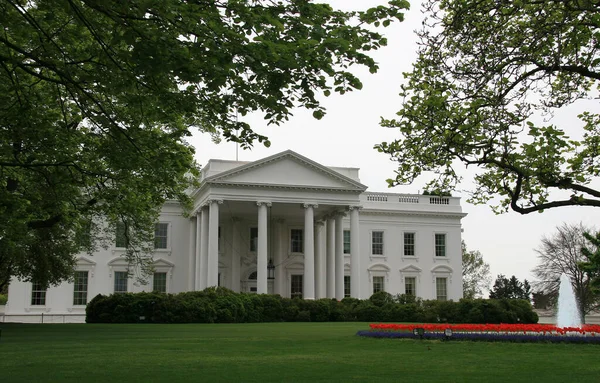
(347, 134)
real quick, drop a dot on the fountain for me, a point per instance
(568, 314)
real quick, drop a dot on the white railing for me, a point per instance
(410, 199)
(439, 200)
(377, 197)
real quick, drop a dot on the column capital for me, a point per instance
(306, 205)
(266, 203)
(214, 200)
(319, 223)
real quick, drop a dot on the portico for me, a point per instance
(283, 217)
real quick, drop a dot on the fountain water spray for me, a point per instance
(568, 313)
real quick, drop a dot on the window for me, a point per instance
(161, 235)
(409, 244)
(346, 286)
(121, 235)
(80, 289)
(378, 284)
(296, 241)
(38, 294)
(296, 287)
(441, 289)
(440, 245)
(121, 281)
(377, 243)
(159, 283)
(253, 238)
(410, 286)
(346, 241)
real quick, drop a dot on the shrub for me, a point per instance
(381, 298)
(3, 299)
(368, 312)
(219, 305)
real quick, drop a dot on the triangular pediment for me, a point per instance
(287, 169)
(410, 269)
(163, 263)
(85, 261)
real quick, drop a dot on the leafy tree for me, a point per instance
(486, 70)
(561, 253)
(476, 273)
(97, 99)
(591, 263)
(512, 288)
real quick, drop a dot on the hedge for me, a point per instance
(220, 305)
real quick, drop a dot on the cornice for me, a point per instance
(443, 214)
(246, 185)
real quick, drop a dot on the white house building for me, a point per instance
(280, 225)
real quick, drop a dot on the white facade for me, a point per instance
(289, 212)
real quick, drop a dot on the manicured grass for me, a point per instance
(287, 352)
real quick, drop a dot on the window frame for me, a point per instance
(76, 291)
(347, 286)
(414, 279)
(437, 288)
(121, 227)
(435, 245)
(166, 276)
(293, 294)
(120, 272)
(253, 240)
(405, 244)
(382, 243)
(376, 279)
(38, 296)
(167, 236)
(347, 244)
(291, 248)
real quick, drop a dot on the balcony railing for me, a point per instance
(411, 199)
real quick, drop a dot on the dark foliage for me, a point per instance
(220, 305)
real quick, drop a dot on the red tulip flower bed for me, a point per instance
(486, 332)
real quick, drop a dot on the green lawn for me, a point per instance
(301, 352)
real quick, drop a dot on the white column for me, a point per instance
(192, 254)
(212, 267)
(339, 257)
(319, 262)
(201, 261)
(309, 251)
(235, 254)
(355, 253)
(330, 280)
(262, 251)
(279, 256)
(194, 251)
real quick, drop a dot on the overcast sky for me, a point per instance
(347, 134)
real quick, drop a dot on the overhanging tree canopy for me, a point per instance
(484, 69)
(97, 98)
